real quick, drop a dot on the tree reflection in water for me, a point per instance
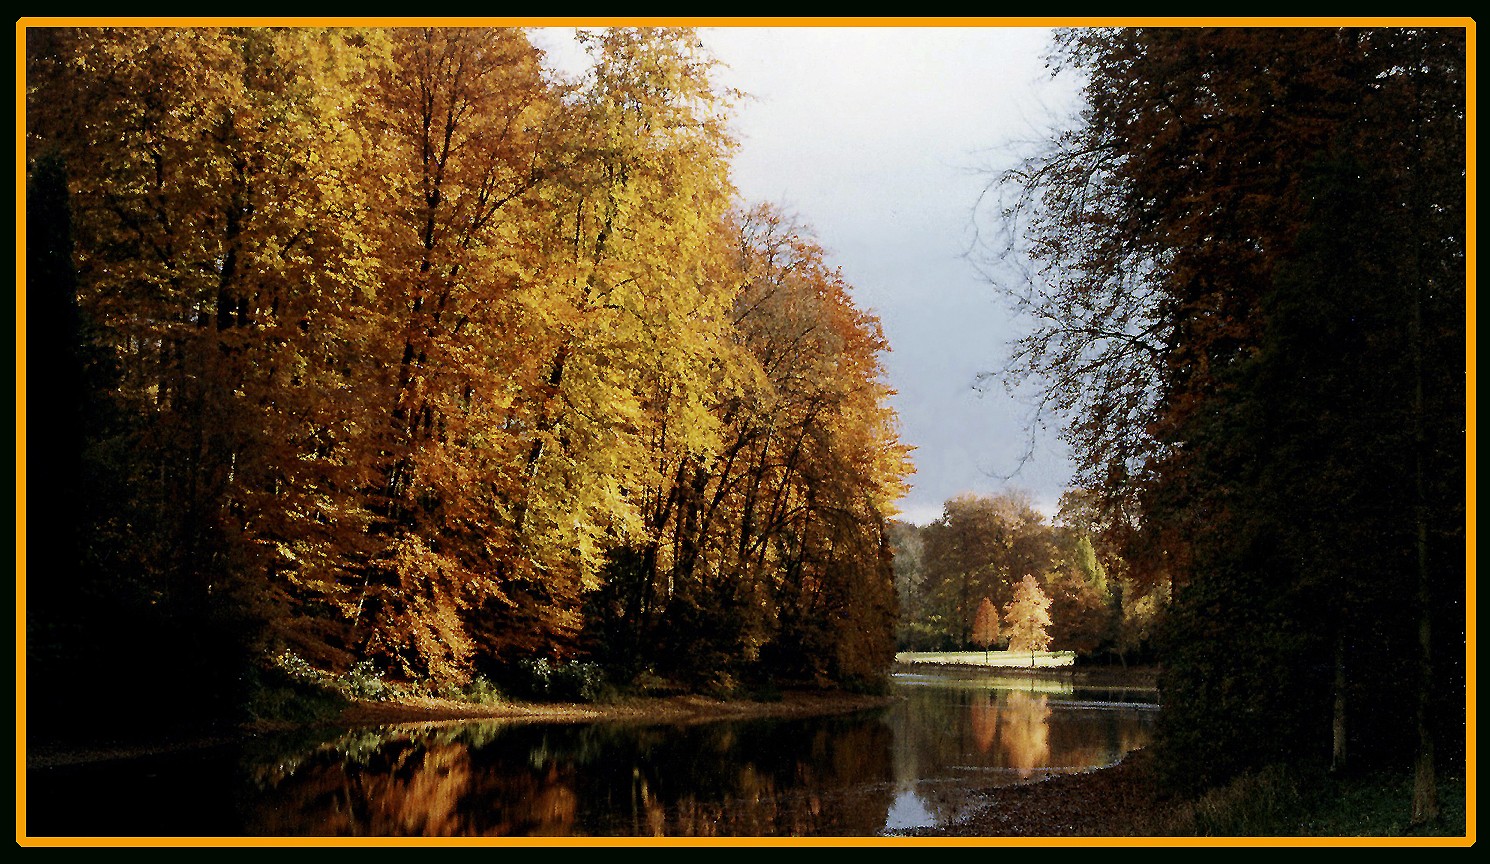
(490, 779)
(956, 735)
(983, 715)
(1026, 738)
(912, 764)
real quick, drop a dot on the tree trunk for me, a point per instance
(1337, 750)
(1425, 789)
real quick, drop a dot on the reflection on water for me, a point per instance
(908, 811)
(495, 779)
(957, 734)
(859, 775)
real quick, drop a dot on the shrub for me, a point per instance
(866, 685)
(571, 681)
(648, 683)
(295, 667)
(479, 690)
(721, 685)
(534, 678)
(288, 688)
(482, 691)
(365, 681)
(578, 680)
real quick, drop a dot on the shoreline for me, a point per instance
(1099, 802)
(691, 708)
(1138, 677)
(676, 709)
(681, 709)
(1121, 800)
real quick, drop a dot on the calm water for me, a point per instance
(866, 774)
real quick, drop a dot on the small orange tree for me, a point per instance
(986, 626)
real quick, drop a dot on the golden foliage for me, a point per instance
(412, 341)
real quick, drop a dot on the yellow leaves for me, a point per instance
(456, 335)
(1028, 616)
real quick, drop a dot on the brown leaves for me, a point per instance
(411, 338)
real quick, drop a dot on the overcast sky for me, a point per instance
(882, 139)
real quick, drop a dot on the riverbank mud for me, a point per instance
(1117, 801)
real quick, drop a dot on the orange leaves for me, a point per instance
(986, 624)
(412, 338)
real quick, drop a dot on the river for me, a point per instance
(917, 762)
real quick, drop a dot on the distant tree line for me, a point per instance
(987, 559)
(388, 346)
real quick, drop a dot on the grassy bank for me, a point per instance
(955, 665)
(1001, 659)
(1280, 802)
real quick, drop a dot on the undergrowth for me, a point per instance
(1284, 802)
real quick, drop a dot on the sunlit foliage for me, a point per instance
(980, 550)
(1028, 617)
(388, 346)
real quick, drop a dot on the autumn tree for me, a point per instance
(771, 551)
(1251, 256)
(630, 353)
(1028, 618)
(974, 550)
(66, 613)
(986, 625)
(213, 247)
(464, 131)
(1083, 618)
(390, 347)
(811, 463)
